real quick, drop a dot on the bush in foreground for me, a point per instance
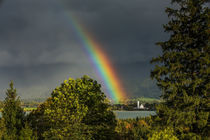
(134, 129)
(166, 134)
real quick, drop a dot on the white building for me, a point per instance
(141, 106)
(138, 105)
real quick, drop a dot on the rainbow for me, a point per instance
(101, 62)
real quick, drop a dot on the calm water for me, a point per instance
(133, 114)
(130, 114)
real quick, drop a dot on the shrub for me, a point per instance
(166, 134)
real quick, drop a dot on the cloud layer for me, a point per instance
(38, 45)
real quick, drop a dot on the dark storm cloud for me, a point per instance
(33, 33)
(128, 31)
(38, 46)
(129, 26)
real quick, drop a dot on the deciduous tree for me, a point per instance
(77, 109)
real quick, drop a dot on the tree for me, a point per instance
(183, 70)
(12, 114)
(26, 133)
(2, 128)
(78, 109)
(38, 120)
(166, 134)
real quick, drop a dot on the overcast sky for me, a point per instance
(39, 49)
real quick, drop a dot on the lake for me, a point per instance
(130, 114)
(133, 114)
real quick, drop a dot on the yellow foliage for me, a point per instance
(128, 126)
(143, 123)
(166, 134)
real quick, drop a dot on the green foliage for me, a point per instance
(66, 113)
(75, 131)
(12, 114)
(2, 128)
(1, 105)
(26, 133)
(134, 129)
(77, 110)
(183, 70)
(38, 120)
(166, 134)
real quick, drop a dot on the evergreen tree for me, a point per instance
(2, 128)
(12, 114)
(183, 70)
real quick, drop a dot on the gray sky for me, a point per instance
(39, 49)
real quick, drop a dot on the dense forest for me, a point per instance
(79, 110)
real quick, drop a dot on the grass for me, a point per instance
(29, 108)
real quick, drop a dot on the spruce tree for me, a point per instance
(12, 114)
(182, 71)
(2, 128)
